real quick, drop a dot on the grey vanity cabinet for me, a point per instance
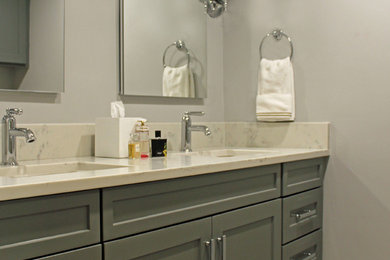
(253, 232)
(14, 31)
(46, 225)
(237, 214)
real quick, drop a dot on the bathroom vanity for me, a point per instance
(265, 205)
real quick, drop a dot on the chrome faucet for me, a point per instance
(187, 128)
(10, 132)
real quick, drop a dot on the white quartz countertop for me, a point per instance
(175, 165)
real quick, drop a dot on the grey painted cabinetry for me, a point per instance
(14, 31)
(45, 225)
(132, 209)
(268, 213)
(249, 233)
(137, 208)
(302, 197)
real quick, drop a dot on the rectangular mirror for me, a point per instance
(32, 45)
(176, 28)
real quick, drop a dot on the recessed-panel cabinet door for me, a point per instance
(14, 26)
(181, 242)
(250, 233)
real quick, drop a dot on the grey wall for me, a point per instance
(91, 74)
(342, 64)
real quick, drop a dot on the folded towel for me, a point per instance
(178, 82)
(275, 99)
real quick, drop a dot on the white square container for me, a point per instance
(112, 136)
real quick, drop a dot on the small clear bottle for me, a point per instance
(134, 147)
(143, 131)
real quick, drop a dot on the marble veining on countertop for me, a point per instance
(77, 140)
(175, 165)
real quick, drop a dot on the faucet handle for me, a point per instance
(14, 111)
(194, 113)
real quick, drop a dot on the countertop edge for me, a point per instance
(96, 182)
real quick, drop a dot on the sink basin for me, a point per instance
(53, 168)
(231, 152)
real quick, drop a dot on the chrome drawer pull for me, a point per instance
(303, 215)
(211, 244)
(310, 256)
(223, 246)
(307, 256)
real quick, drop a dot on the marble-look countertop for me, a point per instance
(175, 165)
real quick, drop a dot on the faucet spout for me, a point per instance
(200, 128)
(187, 128)
(9, 134)
(23, 132)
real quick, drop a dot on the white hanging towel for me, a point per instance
(275, 99)
(178, 82)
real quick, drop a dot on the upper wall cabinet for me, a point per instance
(163, 48)
(14, 30)
(32, 45)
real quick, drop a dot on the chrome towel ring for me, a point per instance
(277, 34)
(181, 46)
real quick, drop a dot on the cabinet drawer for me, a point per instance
(303, 175)
(45, 225)
(306, 248)
(302, 213)
(87, 253)
(136, 208)
(185, 241)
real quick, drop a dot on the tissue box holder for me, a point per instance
(112, 136)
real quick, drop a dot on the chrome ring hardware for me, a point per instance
(181, 46)
(277, 34)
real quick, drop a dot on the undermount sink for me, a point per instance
(53, 168)
(233, 152)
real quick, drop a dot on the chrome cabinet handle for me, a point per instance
(222, 242)
(211, 245)
(310, 256)
(194, 113)
(304, 214)
(306, 256)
